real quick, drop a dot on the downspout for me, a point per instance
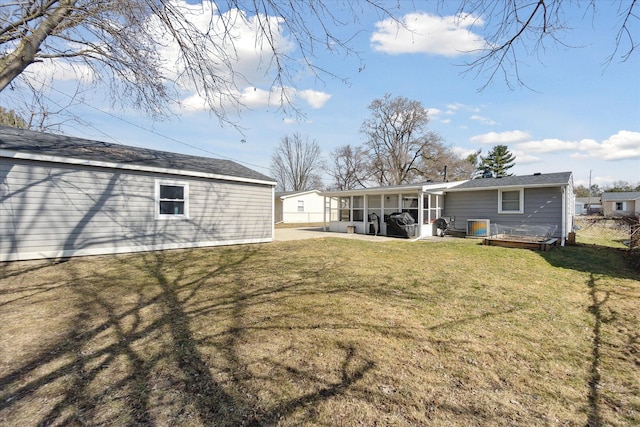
(564, 215)
(420, 213)
(273, 212)
(324, 213)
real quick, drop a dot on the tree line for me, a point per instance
(399, 148)
(596, 190)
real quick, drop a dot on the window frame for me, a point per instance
(344, 207)
(157, 200)
(357, 208)
(520, 209)
(300, 205)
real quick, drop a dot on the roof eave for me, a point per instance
(398, 189)
(495, 187)
(125, 166)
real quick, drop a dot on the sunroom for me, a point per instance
(367, 210)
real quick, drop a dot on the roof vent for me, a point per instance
(537, 174)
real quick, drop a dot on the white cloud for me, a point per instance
(233, 40)
(462, 153)
(314, 98)
(620, 146)
(549, 145)
(623, 145)
(482, 119)
(424, 33)
(42, 73)
(253, 97)
(501, 138)
(523, 158)
(250, 97)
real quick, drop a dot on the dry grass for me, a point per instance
(323, 332)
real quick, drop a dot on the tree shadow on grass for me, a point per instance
(596, 309)
(132, 356)
(592, 259)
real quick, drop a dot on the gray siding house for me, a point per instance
(62, 196)
(521, 204)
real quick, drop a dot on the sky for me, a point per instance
(578, 112)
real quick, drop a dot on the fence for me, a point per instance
(616, 232)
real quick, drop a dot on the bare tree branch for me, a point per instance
(296, 163)
(121, 42)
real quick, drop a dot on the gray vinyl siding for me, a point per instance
(542, 206)
(48, 208)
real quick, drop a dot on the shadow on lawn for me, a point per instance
(595, 418)
(137, 360)
(603, 263)
(592, 259)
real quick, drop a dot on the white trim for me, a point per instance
(302, 193)
(141, 168)
(507, 187)
(23, 256)
(565, 204)
(156, 205)
(397, 189)
(521, 206)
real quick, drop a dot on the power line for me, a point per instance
(142, 128)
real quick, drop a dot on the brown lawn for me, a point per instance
(325, 332)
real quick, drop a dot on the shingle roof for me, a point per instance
(40, 143)
(536, 180)
(622, 195)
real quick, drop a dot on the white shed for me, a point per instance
(299, 206)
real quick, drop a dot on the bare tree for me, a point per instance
(10, 118)
(296, 163)
(513, 29)
(150, 51)
(350, 167)
(440, 163)
(397, 139)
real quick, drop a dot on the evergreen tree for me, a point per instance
(499, 160)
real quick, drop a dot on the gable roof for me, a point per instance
(621, 195)
(535, 180)
(27, 144)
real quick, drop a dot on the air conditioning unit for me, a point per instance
(478, 227)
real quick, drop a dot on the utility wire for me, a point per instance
(140, 127)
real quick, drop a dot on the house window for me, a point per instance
(511, 201)
(390, 205)
(172, 199)
(300, 205)
(620, 206)
(358, 208)
(345, 208)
